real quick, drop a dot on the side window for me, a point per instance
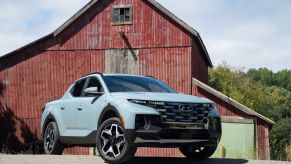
(94, 82)
(78, 88)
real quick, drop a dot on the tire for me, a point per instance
(51, 142)
(112, 143)
(198, 152)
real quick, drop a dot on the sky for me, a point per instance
(242, 33)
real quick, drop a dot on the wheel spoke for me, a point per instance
(116, 151)
(49, 139)
(112, 140)
(110, 150)
(119, 134)
(119, 144)
(47, 145)
(105, 134)
(106, 145)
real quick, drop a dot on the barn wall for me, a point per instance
(33, 82)
(150, 28)
(43, 70)
(171, 65)
(199, 66)
(225, 109)
(158, 152)
(263, 130)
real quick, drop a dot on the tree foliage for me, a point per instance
(281, 140)
(265, 92)
(267, 77)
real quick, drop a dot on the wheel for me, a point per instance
(51, 141)
(198, 152)
(112, 142)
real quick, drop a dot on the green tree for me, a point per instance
(281, 140)
(263, 75)
(234, 83)
(268, 78)
(283, 79)
(266, 93)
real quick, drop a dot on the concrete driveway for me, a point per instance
(73, 159)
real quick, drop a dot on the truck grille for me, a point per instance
(184, 113)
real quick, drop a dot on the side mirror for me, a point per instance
(93, 91)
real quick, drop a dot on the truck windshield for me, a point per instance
(136, 84)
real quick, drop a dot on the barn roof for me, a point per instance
(153, 2)
(229, 100)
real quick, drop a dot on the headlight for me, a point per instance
(213, 111)
(144, 102)
(137, 101)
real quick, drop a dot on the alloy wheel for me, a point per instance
(112, 140)
(49, 138)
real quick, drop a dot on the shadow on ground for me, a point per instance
(171, 160)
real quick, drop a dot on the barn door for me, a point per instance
(238, 140)
(121, 61)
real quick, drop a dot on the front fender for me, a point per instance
(52, 114)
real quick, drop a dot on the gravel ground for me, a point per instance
(73, 159)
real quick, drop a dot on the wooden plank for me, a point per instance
(121, 61)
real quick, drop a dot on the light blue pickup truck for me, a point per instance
(118, 113)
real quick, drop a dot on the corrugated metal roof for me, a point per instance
(153, 2)
(229, 100)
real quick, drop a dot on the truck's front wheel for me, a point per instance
(112, 142)
(198, 152)
(52, 144)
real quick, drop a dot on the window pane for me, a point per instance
(122, 19)
(93, 82)
(115, 16)
(122, 11)
(115, 19)
(78, 88)
(127, 11)
(127, 18)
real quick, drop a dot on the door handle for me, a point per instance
(80, 107)
(62, 107)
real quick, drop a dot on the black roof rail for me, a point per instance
(151, 77)
(95, 73)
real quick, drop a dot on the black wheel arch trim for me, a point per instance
(48, 119)
(108, 108)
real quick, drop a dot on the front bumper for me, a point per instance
(176, 134)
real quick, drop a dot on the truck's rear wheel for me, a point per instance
(112, 142)
(203, 152)
(51, 141)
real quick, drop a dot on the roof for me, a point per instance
(153, 2)
(229, 100)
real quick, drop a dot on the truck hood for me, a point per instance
(167, 97)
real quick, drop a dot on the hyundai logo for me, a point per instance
(185, 108)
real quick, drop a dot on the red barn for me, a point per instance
(120, 36)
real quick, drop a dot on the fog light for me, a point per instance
(146, 121)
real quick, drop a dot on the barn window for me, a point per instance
(122, 15)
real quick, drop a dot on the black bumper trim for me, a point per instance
(175, 134)
(173, 142)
